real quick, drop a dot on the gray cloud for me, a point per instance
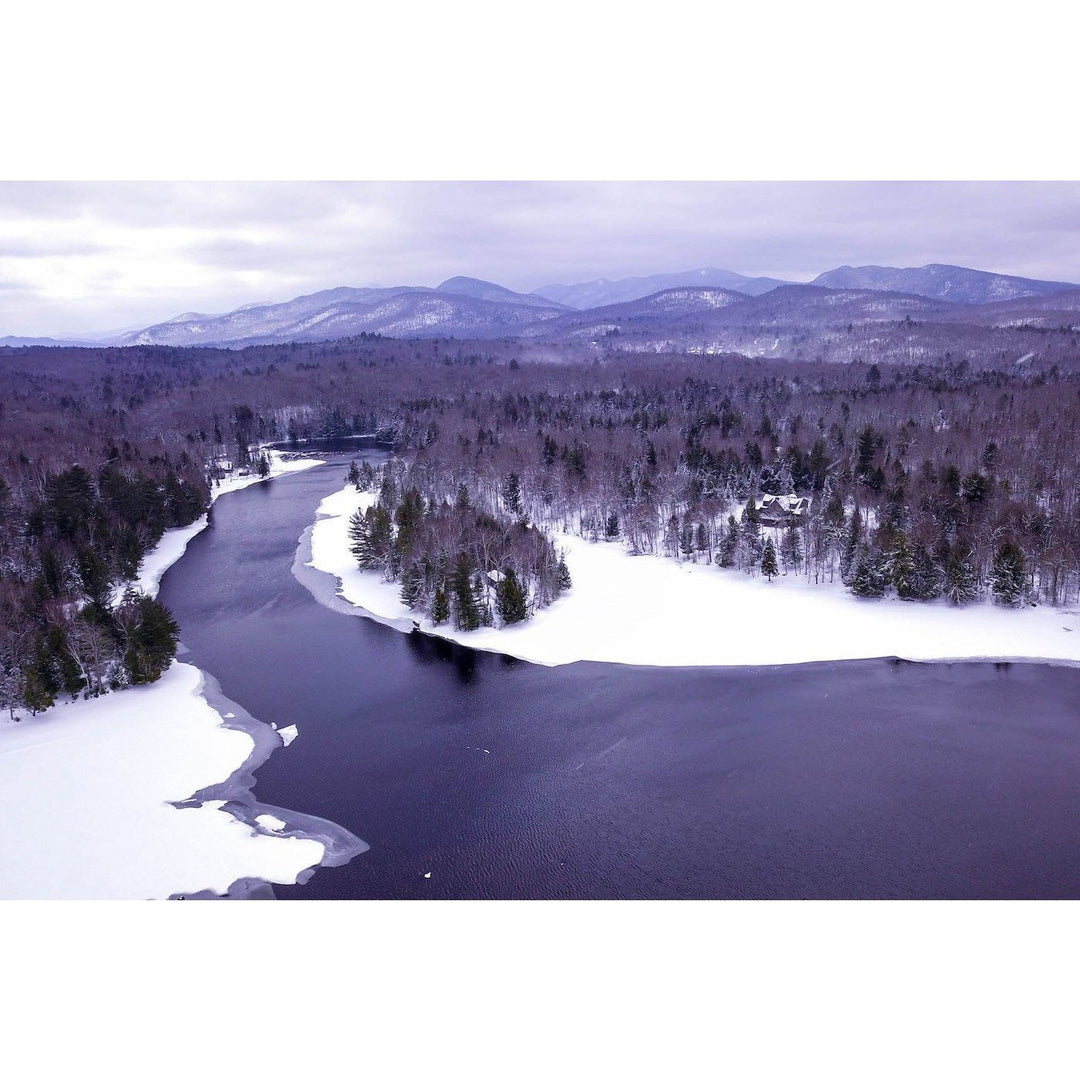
(94, 255)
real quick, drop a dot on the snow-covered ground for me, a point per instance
(174, 543)
(86, 787)
(655, 611)
(85, 794)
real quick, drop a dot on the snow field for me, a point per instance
(85, 794)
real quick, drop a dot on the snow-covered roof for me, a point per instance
(785, 504)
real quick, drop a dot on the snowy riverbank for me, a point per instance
(85, 799)
(655, 611)
(174, 543)
(87, 787)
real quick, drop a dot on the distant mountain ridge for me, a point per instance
(686, 307)
(939, 281)
(459, 306)
(592, 294)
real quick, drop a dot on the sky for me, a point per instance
(83, 258)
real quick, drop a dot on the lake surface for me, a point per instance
(505, 780)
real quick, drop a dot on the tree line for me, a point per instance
(950, 478)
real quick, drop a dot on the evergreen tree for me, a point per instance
(480, 599)
(961, 580)
(360, 537)
(769, 566)
(902, 569)
(440, 606)
(408, 515)
(371, 537)
(388, 493)
(412, 584)
(354, 475)
(510, 601)
(701, 540)
(465, 607)
(851, 546)
(562, 578)
(1007, 574)
(730, 544)
(929, 579)
(511, 494)
(869, 573)
(686, 538)
(150, 635)
(791, 548)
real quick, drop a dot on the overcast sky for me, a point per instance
(79, 258)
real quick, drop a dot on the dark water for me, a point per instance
(855, 779)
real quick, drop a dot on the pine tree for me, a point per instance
(769, 566)
(701, 538)
(412, 584)
(730, 544)
(510, 601)
(902, 569)
(961, 580)
(480, 599)
(869, 573)
(686, 539)
(1007, 575)
(851, 546)
(388, 491)
(511, 494)
(371, 537)
(563, 580)
(466, 610)
(929, 579)
(440, 606)
(354, 475)
(791, 548)
(150, 634)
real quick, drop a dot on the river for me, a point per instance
(472, 775)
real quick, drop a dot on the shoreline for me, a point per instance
(146, 792)
(649, 610)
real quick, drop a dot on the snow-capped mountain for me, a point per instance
(592, 294)
(689, 307)
(481, 310)
(647, 313)
(938, 281)
(487, 290)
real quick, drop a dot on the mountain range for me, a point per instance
(710, 308)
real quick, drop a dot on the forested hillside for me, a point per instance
(948, 479)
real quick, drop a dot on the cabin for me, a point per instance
(782, 509)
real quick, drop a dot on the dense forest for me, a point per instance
(947, 479)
